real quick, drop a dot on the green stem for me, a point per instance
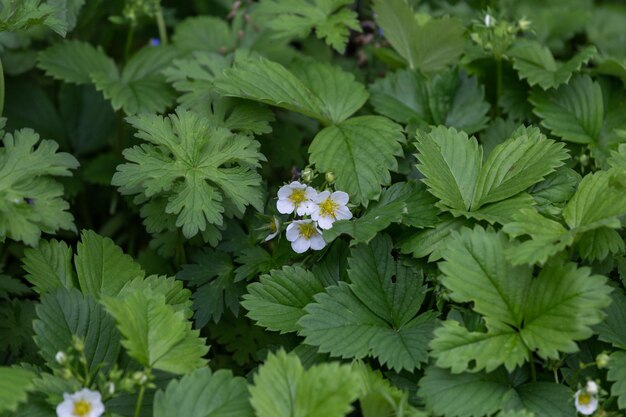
(498, 84)
(533, 370)
(161, 25)
(129, 41)
(1, 88)
(139, 400)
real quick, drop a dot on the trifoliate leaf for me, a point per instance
(194, 77)
(431, 241)
(429, 47)
(574, 112)
(377, 311)
(155, 334)
(451, 98)
(617, 374)
(360, 151)
(282, 388)
(202, 171)
(277, 302)
(535, 63)
(30, 200)
(176, 296)
(204, 394)
(75, 62)
(296, 18)
(522, 314)
(65, 313)
(480, 394)
(315, 89)
(455, 173)
(14, 386)
(406, 202)
(49, 266)
(102, 268)
(141, 87)
(552, 193)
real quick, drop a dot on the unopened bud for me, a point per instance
(110, 387)
(524, 24)
(330, 177)
(592, 387)
(60, 357)
(307, 175)
(602, 360)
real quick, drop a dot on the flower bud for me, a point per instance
(330, 177)
(307, 175)
(592, 387)
(60, 357)
(602, 360)
(110, 387)
(523, 24)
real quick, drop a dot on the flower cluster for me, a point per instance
(321, 208)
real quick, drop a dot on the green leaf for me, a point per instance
(30, 200)
(296, 18)
(25, 14)
(574, 112)
(451, 163)
(277, 302)
(155, 334)
(315, 89)
(360, 151)
(617, 374)
(282, 388)
(14, 386)
(430, 242)
(597, 244)
(75, 62)
(202, 171)
(451, 98)
(141, 88)
(406, 202)
(522, 314)
(513, 166)
(65, 313)
(535, 63)
(429, 47)
(102, 268)
(49, 266)
(204, 394)
(377, 311)
(204, 33)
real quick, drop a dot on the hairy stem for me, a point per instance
(498, 84)
(161, 25)
(1, 88)
(139, 400)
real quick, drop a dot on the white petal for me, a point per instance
(585, 409)
(591, 387)
(300, 245)
(97, 409)
(284, 192)
(270, 237)
(317, 242)
(292, 232)
(314, 211)
(66, 408)
(325, 223)
(296, 184)
(322, 196)
(303, 209)
(343, 213)
(340, 197)
(285, 206)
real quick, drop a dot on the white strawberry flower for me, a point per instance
(84, 403)
(295, 196)
(592, 387)
(327, 208)
(304, 235)
(586, 403)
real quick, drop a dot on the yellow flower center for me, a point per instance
(81, 408)
(328, 208)
(584, 398)
(297, 196)
(307, 230)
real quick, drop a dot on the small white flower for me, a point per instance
(591, 387)
(489, 20)
(585, 402)
(60, 357)
(304, 234)
(274, 227)
(295, 196)
(329, 207)
(84, 403)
